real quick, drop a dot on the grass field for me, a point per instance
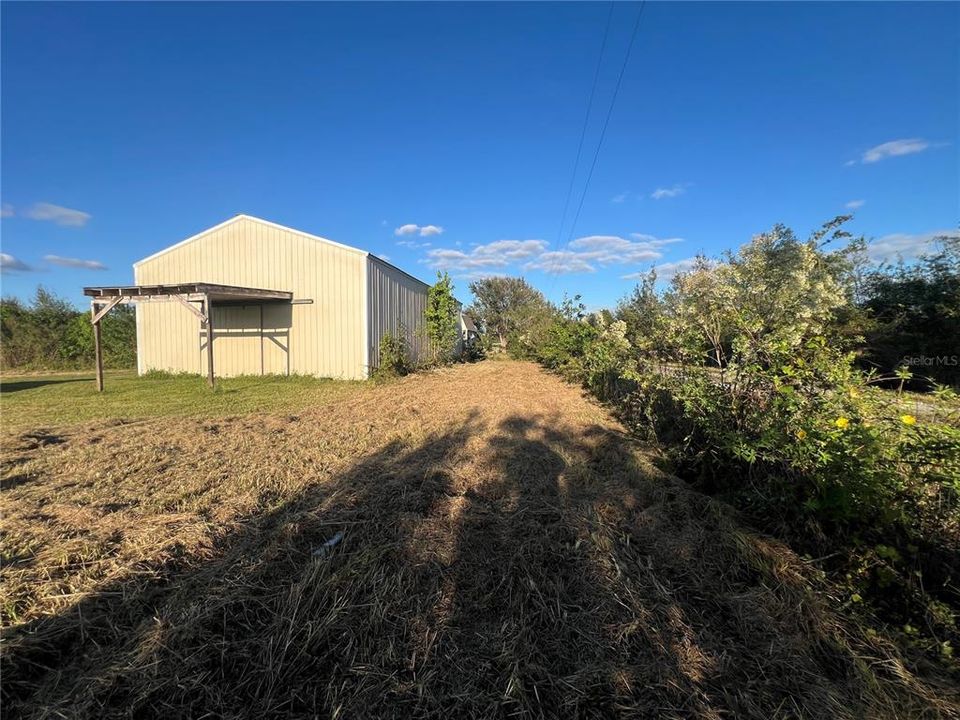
(69, 398)
(477, 542)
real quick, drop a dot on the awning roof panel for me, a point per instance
(217, 293)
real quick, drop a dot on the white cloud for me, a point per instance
(654, 240)
(665, 271)
(8, 263)
(421, 230)
(384, 257)
(57, 214)
(560, 262)
(499, 253)
(6, 210)
(615, 250)
(855, 204)
(890, 248)
(619, 198)
(894, 148)
(74, 262)
(479, 275)
(408, 229)
(510, 250)
(582, 255)
(413, 244)
(673, 191)
(448, 259)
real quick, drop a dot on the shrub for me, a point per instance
(50, 334)
(442, 319)
(118, 332)
(915, 312)
(394, 356)
(565, 340)
(741, 371)
(473, 350)
(609, 366)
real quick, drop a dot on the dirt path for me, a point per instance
(507, 550)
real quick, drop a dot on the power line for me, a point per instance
(603, 131)
(583, 130)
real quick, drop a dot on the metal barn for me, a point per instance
(269, 300)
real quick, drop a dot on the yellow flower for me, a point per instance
(908, 420)
(801, 434)
(841, 422)
(854, 392)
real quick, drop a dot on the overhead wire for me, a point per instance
(586, 121)
(603, 133)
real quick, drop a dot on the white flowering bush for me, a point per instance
(609, 363)
(742, 372)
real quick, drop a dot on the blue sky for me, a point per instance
(444, 135)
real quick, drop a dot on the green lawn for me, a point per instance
(28, 401)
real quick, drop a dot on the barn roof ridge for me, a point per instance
(244, 216)
(286, 228)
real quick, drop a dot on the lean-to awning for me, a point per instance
(199, 291)
(105, 298)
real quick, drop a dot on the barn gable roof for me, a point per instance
(249, 218)
(277, 226)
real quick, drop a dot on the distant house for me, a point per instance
(468, 329)
(338, 302)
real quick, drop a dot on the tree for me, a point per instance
(33, 333)
(508, 308)
(779, 292)
(916, 314)
(567, 339)
(49, 333)
(700, 302)
(642, 311)
(442, 318)
(118, 338)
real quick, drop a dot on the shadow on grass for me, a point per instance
(549, 577)
(18, 385)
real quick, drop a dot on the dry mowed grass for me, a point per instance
(507, 551)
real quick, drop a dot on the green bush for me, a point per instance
(442, 318)
(394, 357)
(609, 365)
(473, 350)
(50, 334)
(741, 371)
(915, 315)
(511, 313)
(565, 341)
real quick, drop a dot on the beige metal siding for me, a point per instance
(275, 338)
(396, 302)
(237, 340)
(325, 338)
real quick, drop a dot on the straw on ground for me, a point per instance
(505, 549)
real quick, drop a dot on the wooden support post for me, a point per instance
(97, 346)
(208, 311)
